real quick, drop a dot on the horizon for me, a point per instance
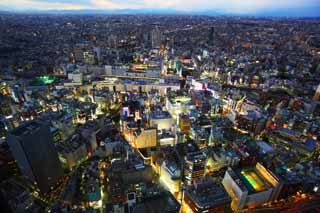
(282, 8)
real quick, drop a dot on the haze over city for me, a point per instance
(240, 7)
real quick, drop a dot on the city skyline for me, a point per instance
(216, 7)
(158, 107)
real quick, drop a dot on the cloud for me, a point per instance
(106, 4)
(237, 6)
(233, 6)
(40, 5)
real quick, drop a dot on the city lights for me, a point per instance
(159, 110)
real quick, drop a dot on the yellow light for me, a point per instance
(171, 186)
(100, 203)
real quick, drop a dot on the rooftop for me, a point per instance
(180, 99)
(26, 128)
(43, 80)
(266, 148)
(165, 203)
(253, 181)
(72, 143)
(289, 132)
(160, 115)
(207, 194)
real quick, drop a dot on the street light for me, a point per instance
(182, 188)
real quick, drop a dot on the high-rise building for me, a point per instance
(211, 36)
(156, 38)
(194, 167)
(89, 57)
(17, 93)
(112, 41)
(184, 123)
(97, 51)
(32, 146)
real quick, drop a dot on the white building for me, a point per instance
(161, 120)
(250, 187)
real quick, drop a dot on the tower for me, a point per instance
(211, 36)
(156, 38)
(194, 168)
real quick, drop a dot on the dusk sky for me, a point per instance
(227, 6)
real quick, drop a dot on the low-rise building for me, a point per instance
(206, 196)
(250, 187)
(72, 151)
(161, 119)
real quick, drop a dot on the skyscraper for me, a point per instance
(156, 38)
(211, 36)
(194, 167)
(32, 146)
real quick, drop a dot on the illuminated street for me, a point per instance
(110, 106)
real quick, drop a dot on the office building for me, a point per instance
(194, 167)
(32, 146)
(156, 38)
(184, 123)
(211, 36)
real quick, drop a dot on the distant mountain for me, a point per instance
(124, 12)
(5, 12)
(305, 12)
(91, 12)
(291, 12)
